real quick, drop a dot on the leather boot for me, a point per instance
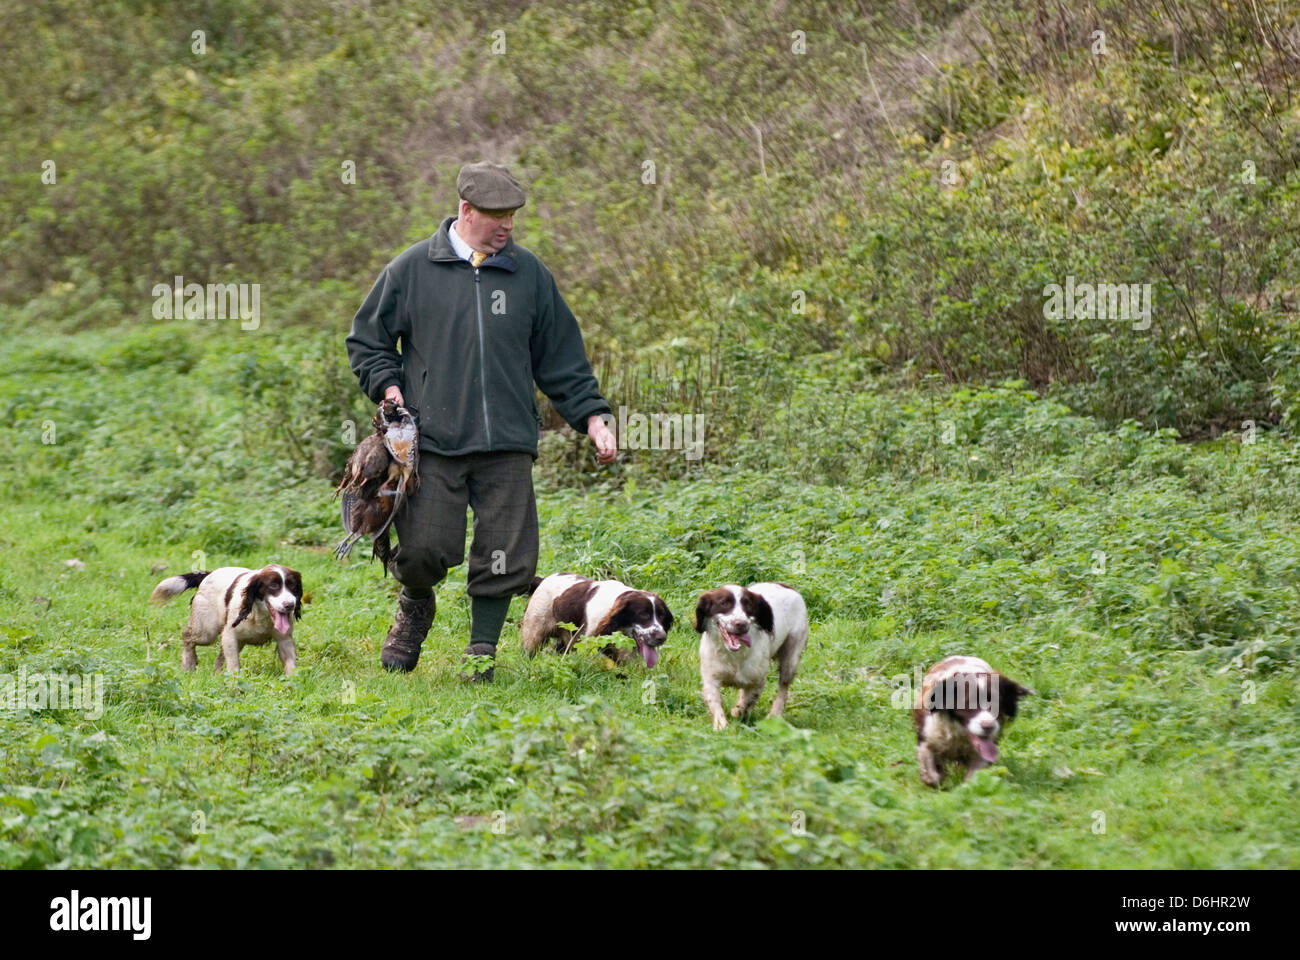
(410, 627)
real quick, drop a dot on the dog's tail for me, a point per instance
(532, 587)
(177, 585)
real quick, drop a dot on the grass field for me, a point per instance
(1162, 733)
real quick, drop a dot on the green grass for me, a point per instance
(1144, 674)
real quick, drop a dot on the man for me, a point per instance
(480, 321)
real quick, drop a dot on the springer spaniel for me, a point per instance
(238, 606)
(965, 705)
(597, 608)
(742, 629)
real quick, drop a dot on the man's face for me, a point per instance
(486, 231)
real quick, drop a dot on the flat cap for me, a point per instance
(489, 186)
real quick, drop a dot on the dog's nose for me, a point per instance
(653, 637)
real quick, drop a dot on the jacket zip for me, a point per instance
(482, 358)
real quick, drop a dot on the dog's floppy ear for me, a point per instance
(622, 614)
(665, 615)
(757, 609)
(1009, 693)
(710, 602)
(293, 581)
(254, 590)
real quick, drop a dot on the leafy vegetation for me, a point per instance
(919, 180)
(1146, 590)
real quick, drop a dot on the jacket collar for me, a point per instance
(442, 251)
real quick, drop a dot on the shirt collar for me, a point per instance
(463, 249)
(446, 247)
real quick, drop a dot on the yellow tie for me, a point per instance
(476, 258)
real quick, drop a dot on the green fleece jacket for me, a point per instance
(473, 343)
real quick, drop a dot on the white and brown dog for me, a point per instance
(964, 706)
(597, 608)
(238, 606)
(742, 629)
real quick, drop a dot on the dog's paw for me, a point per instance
(719, 721)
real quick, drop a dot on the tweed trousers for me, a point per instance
(498, 487)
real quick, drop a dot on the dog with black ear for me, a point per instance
(238, 607)
(964, 707)
(743, 629)
(597, 608)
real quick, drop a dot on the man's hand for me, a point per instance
(394, 393)
(606, 445)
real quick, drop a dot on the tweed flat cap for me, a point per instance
(489, 186)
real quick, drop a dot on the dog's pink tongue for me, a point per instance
(987, 748)
(281, 621)
(648, 653)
